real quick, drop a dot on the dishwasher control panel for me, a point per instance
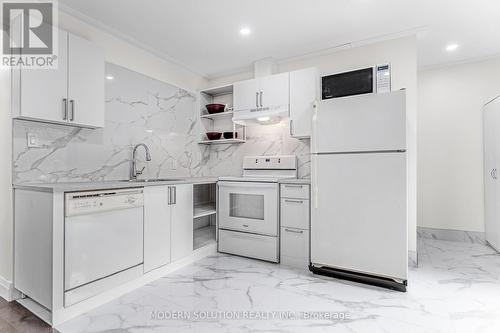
(83, 203)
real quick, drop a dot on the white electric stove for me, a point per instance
(249, 207)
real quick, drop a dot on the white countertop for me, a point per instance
(305, 181)
(116, 184)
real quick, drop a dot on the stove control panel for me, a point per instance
(279, 162)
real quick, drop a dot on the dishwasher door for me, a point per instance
(103, 236)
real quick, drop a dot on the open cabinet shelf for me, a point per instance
(203, 236)
(219, 122)
(204, 210)
(204, 214)
(221, 141)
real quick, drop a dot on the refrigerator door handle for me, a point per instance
(314, 180)
(314, 169)
(314, 128)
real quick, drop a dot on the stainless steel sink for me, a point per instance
(152, 180)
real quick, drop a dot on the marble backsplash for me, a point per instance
(141, 109)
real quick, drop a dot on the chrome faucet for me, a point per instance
(133, 165)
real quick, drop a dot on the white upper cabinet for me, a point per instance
(246, 95)
(264, 93)
(43, 91)
(304, 87)
(290, 94)
(72, 94)
(86, 83)
(274, 91)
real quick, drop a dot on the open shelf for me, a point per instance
(221, 141)
(204, 210)
(204, 214)
(203, 236)
(220, 115)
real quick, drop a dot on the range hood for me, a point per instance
(265, 115)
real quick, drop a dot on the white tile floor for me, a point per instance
(455, 289)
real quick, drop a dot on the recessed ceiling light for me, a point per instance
(451, 47)
(245, 31)
(109, 77)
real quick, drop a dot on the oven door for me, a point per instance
(249, 207)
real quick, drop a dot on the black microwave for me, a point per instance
(356, 82)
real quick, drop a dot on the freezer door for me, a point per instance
(370, 122)
(359, 218)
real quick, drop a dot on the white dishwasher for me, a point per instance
(103, 241)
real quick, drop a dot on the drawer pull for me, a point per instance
(245, 225)
(295, 231)
(294, 201)
(294, 186)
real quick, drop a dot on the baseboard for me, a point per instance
(451, 235)
(7, 290)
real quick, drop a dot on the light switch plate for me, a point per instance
(32, 139)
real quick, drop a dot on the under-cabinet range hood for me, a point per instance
(268, 115)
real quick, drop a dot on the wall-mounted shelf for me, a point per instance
(227, 114)
(221, 141)
(219, 122)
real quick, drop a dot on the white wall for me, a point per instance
(5, 183)
(450, 150)
(124, 54)
(116, 51)
(402, 55)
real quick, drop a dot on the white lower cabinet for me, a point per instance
(182, 221)
(295, 213)
(294, 247)
(295, 221)
(156, 227)
(168, 224)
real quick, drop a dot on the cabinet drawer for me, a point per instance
(295, 247)
(295, 213)
(248, 245)
(299, 191)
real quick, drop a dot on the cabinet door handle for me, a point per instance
(169, 200)
(294, 231)
(291, 127)
(256, 99)
(495, 173)
(65, 109)
(261, 100)
(294, 201)
(72, 103)
(174, 196)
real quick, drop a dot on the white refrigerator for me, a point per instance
(359, 189)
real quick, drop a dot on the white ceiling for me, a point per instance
(203, 35)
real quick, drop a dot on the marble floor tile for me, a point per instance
(456, 288)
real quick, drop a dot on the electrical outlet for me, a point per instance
(32, 139)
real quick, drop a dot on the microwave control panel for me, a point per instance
(383, 78)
